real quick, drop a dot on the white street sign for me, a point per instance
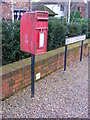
(74, 39)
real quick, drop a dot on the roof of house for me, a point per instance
(77, 4)
(51, 1)
(81, 4)
(41, 7)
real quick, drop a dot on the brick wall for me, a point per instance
(6, 8)
(17, 75)
(6, 11)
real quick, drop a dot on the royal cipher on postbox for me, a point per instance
(33, 32)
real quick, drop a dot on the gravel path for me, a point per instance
(60, 94)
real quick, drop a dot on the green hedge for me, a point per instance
(11, 43)
(89, 28)
(57, 31)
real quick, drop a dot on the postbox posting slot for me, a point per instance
(42, 19)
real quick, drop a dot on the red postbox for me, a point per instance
(33, 32)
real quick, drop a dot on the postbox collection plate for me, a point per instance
(41, 40)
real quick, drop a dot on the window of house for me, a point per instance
(79, 9)
(62, 8)
(18, 14)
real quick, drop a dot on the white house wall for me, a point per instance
(56, 8)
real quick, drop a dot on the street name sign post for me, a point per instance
(72, 40)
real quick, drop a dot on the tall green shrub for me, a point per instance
(75, 15)
(89, 28)
(59, 35)
(11, 43)
(74, 29)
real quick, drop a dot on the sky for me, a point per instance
(85, 1)
(39, 0)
